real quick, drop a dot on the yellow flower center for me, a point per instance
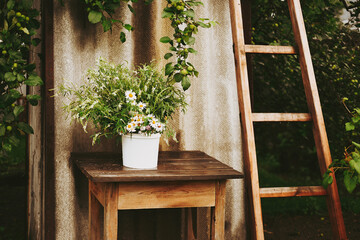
(130, 95)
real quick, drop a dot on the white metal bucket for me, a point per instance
(140, 151)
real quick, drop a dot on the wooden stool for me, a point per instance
(186, 179)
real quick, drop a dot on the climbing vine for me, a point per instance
(182, 16)
(18, 25)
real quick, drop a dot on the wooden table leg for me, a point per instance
(218, 212)
(191, 223)
(94, 216)
(111, 211)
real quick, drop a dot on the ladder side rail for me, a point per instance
(313, 100)
(249, 151)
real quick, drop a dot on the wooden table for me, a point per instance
(187, 179)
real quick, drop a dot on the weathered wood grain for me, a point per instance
(173, 166)
(292, 191)
(248, 137)
(111, 211)
(166, 195)
(281, 117)
(313, 100)
(269, 49)
(218, 212)
(94, 216)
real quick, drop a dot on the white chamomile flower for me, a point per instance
(154, 122)
(159, 127)
(142, 128)
(150, 116)
(134, 118)
(130, 95)
(119, 106)
(141, 105)
(116, 78)
(130, 127)
(139, 120)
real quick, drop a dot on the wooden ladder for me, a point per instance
(248, 118)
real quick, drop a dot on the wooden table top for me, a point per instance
(173, 166)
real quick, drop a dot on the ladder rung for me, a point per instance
(292, 191)
(281, 117)
(270, 49)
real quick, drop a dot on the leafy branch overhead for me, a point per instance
(182, 16)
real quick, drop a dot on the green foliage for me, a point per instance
(278, 85)
(119, 101)
(182, 16)
(18, 25)
(350, 164)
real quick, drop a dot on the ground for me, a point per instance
(307, 227)
(277, 225)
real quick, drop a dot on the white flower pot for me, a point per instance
(140, 151)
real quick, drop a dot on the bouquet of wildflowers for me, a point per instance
(119, 101)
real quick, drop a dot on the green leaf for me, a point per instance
(122, 37)
(18, 110)
(14, 94)
(192, 50)
(201, 24)
(327, 180)
(190, 13)
(167, 12)
(7, 147)
(131, 9)
(355, 165)
(95, 16)
(190, 41)
(349, 126)
(14, 141)
(128, 27)
(172, 49)
(33, 99)
(10, 4)
(9, 117)
(25, 30)
(194, 3)
(169, 69)
(33, 80)
(20, 78)
(35, 41)
(6, 25)
(106, 25)
(178, 77)
(185, 83)
(357, 145)
(350, 182)
(168, 55)
(165, 39)
(9, 77)
(26, 128)
(2, 130)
